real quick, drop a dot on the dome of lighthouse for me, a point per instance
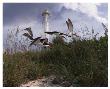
(45, 12)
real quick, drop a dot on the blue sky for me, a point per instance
(29, 15)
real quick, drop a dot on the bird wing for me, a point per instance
(29, 30)
(67, 24)
(65, 34)
(32, 43)
(36, 39)
(28, 36)
(70, 27)
(51, 33)
(55, 32)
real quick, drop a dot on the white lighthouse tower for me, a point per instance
(45, 15)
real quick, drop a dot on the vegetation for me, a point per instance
(81, 62)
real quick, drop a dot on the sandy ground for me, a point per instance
(44, 82)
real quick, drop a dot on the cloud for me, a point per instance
(25, 15)
(89, 9)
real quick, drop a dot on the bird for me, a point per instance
(57, 34)
(28, 36)
(29, 31)
(69, 25)
(42, 41)
(35, 41)
(39, 40)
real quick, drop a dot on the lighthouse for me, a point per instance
(46, 15)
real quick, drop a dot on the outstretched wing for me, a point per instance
(51, 33)
(29, 30)
(64, 34)
(70, 25)
(28, 36)
(67, 24)
(35, 40)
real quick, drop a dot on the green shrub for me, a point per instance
(82, 62)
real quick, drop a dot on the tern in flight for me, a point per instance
(29, 34)
(39, 40)
(70, 27)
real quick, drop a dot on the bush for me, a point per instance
(82, 62)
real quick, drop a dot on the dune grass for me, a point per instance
(82, 62)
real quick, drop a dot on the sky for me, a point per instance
(30, 15)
